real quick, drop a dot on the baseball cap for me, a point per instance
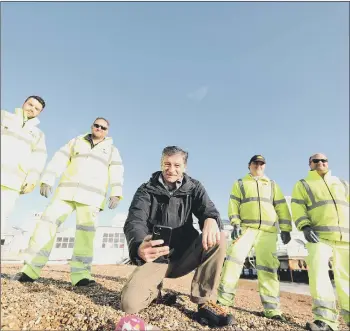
(257, 158)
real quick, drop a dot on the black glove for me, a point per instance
(236, 232)
(310, 235)
(285, 236)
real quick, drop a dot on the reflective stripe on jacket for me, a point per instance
(259, 204)
(323, 204)
(23, 150)
(86, 171)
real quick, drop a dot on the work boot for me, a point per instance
(318, 326)
(212, 314)
(159, 298)
(280, 318)
(167, 299)
(23, 278)
(86, 282)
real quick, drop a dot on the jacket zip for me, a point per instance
(336, 208)
(164, 210)
(92, 146)
(87, 157)
(257, 186)
(164, 214)
(24, 122)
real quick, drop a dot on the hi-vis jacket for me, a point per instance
(23, 150)
(323, 204)
(86, 171)
(259, 204)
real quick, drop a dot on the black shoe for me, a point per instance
(212, 314)
(318, 326)
(23, 278)
(280, 318)
(169, 299)
(86, 282)
(159, 298)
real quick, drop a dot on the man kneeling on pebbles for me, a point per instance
(169, 199)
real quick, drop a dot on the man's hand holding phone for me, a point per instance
(148, 252)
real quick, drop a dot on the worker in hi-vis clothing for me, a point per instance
(256, 208)
(89, 163)
(320, 208)
(23, 153)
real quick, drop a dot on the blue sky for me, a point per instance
(224, 81)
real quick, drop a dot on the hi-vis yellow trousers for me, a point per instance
(42, 240)
(8, 200)
(322, 292)
(267, 264)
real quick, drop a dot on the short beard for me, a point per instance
(29, 116)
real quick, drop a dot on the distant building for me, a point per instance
(296, 247)
(110, 245)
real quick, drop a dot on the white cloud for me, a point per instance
(199, 94)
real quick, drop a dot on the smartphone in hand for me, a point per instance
(162, 232)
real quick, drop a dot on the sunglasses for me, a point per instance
(97, 126)
(318, 160)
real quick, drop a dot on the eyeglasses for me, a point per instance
(97, 126)
(318, 160)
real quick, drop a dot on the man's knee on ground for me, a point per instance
(129, 307)
(132, 300)
(129, 302)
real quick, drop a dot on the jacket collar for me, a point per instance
(107, 140)
(263, 178)
(29, 123)
(177, 184)
(155, 186)
(313, 175)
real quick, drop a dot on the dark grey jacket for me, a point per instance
(152, 204)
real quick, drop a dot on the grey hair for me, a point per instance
(172, 150)
(102, 118)
(313, 155)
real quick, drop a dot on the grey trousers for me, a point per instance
(142, 286)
